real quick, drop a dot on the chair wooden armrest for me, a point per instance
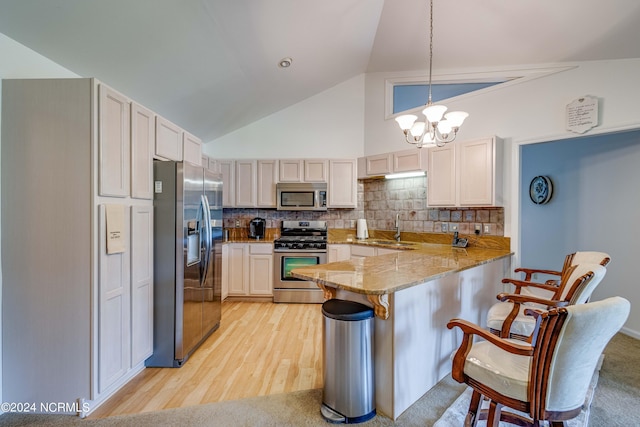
(519, 299)
(531, 271)
(469, 330)
(521, 283)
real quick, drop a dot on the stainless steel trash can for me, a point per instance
(348, 395)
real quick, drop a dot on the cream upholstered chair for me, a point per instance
(507, 318)
(547, 379)
(589, 257)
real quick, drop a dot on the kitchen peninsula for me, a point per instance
(415, 292)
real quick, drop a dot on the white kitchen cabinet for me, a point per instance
(303, 170)
(114, 295)
(343, 184)
(412, 160)
(191, 148)
(250, 269)
(291, 170)
(337, 253)
(228, 170)
(93, 322)
(168, 140)
(466, 173)
(225, 271)
(267, 179)
(315, 170)
(480, 172)
(377, 165)
(143, 137)
(441, 182)
(238, 269)
(211, 164)
(141, 283)
(114, 141)
(260, 269)
(246, 183)
(360, 251)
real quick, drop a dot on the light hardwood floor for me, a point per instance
(259, 349)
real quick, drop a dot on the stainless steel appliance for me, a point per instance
(187, 260)
(301, 244)
(302, 196)
(257, 227)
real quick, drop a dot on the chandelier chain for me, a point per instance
(430, 47)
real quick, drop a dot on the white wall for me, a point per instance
(594, 207)
(18, 61)
(327, 125)
(534, 109)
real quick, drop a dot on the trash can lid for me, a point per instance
(346, 310)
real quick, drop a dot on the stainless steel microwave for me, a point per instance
(302, 196)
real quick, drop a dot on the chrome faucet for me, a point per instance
(397, 235)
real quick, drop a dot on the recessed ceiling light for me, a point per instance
(285, 62)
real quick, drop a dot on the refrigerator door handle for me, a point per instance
(204, 204)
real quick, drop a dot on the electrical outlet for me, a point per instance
(237, 223)
(478, 229)
(453, 226)
(445, 227)
(487, 228)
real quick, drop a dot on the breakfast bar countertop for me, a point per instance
(385, 274)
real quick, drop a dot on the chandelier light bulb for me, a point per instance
(406, 121)
(456, 118)
(417, 130)
(434, 113)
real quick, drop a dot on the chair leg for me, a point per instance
(472, 416)
(493, 419)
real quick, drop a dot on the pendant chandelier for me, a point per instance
(438, 128)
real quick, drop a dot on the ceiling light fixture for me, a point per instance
(285, 62)
(436, 130)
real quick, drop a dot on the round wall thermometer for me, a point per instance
(540, 190)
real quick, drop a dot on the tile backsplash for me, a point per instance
(379, 201)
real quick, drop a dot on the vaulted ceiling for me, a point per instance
(211, 66)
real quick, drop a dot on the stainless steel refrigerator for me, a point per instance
(187, 260)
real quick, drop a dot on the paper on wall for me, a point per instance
(115, 229)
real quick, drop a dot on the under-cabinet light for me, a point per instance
(405, 175)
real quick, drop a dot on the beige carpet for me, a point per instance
(454, 416)
(300, 408)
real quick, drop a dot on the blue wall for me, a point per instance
(595, 206)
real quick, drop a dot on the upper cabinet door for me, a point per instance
(168, 139)
(143, 137)
(479, 172)
(192, 149)
(378, 165)
(410, 160)
(441, 184)
(291, 170)
(343, 184)
(246, 191)
(113, 142)
(228, 171)
(267, 179)
(315, 170)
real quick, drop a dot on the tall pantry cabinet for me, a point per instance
(76, 173)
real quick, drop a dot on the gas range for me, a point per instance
(302, 236)
(301, 244)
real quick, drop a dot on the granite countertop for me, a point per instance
(385, 274)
